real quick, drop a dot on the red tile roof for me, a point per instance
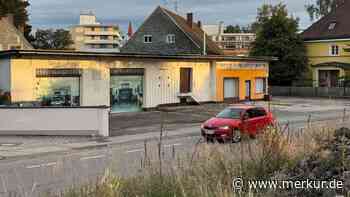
(321, 29)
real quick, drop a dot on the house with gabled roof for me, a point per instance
(10, 36)
(165, 32)
(328, 47)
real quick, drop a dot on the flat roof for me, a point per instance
(66, 53)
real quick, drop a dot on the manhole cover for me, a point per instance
(10, 144)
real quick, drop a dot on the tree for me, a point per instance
(237, 29)
(322, 8)
(59, 39)
(277, 36)
(19, 10)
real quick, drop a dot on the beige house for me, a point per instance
(10, 36)
(91, 35)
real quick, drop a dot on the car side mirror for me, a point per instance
(245, 116)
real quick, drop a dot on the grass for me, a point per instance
(210, 169)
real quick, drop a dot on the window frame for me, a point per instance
(334, 50)
(264, 85)
(171, 39)
(149, 40)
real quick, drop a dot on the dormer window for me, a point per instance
(332, 26)
(147, 38)
(170, 38)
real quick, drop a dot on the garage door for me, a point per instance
(230, 88)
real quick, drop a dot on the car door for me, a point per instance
(250, 122)
(261, 115)
(256, 121)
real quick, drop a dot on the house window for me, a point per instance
(334, 50)
(104, 37)
(260, 85)
(332, 26)
(170, 38)
(147, 38)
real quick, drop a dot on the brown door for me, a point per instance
(185, 80)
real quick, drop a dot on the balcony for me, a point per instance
(102, 42)
(102, 33)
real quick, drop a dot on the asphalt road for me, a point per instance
(28, 177)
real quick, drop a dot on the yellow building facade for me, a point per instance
(329, 61)
(328, 47)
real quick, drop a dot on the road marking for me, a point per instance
(135, 151)
(171, 145)
(41, 165)
(49, 164)
(33, 166)
(92, 157)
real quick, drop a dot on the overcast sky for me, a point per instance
(64, 13)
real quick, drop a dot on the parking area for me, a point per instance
(174, 118)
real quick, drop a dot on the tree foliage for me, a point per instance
(59, 39)
(277, 36)
(237, 29)
(19, 10)
(322, 8)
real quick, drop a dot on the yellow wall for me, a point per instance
(319, 52)
(242, 75)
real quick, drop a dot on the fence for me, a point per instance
(84, 121)
(337, 92)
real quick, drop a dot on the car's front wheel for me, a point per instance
(236, 136)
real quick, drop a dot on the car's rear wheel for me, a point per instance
(236, 136)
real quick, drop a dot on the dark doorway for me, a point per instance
(328, 78)
(248, 90)
(185, 80)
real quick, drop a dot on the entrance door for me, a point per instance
(328, 78)
(230, 89)
(248, 90)
(185, 80)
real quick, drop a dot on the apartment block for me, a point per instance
(91, 35)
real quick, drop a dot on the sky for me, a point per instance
(65, 13)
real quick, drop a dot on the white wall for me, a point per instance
(162, 81)
(54, 121)
(5, 74)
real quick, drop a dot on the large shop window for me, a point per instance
(126, 91)
(58, 87)
(260, 85)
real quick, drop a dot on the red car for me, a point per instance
(231, 123)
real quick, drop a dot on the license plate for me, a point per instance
(209, 132)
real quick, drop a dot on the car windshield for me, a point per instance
(230, 113)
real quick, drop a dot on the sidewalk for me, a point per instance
(38, 146)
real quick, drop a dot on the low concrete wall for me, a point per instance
(309, 91)
(82, 121)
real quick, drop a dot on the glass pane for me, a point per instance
(58, 91)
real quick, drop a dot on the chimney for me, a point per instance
(200, 24)
(10, 18)
(190, 19)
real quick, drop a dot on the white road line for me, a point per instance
(49, 164)
(135, 151)
(41, 165)
(92, 157)
(171, 145)
(33, 166)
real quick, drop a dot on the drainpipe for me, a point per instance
(204, 44)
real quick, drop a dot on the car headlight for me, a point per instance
(224, 127)
(202, 126)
